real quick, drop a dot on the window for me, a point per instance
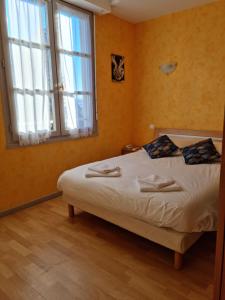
(49, 70)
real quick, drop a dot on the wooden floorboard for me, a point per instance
(44, 255)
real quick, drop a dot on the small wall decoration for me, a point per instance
(118, 70)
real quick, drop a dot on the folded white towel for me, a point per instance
(146, 185)
(171, 188)
(90, 174)
(156, 181)
(104, 168)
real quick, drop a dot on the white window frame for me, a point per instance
(5, 77)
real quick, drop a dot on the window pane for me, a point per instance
(27, 21)
(77, 112)
(21, 59)
(73, 30)
(70, 112)
(76, 73)
(34, 112)
(31, 67)
(16, 67)
(42, 64)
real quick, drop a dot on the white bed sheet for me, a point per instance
(192, 210)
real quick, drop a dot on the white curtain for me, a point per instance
(30, 61)
(75, 53)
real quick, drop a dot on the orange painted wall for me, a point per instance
(29, 173)
(193, 97)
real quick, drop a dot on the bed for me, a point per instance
(175, 220)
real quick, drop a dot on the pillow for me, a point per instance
(182, 142)
(161, 147)
(201, 153)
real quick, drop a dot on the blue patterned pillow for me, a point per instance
(161, 147)
(201, 153)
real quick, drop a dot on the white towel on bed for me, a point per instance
(155, 183)
(104, 168)
(90, 174)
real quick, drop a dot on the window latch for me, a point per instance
(3, 63)
(59, 87)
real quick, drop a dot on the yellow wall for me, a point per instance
(32, 172)
(193, 97)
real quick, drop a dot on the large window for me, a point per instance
(48, 63)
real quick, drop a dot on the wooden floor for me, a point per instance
(43, 255)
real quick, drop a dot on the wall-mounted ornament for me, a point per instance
(168, 68)
(118, 69)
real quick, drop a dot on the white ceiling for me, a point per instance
(141, 10)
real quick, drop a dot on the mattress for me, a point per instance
(194, 209)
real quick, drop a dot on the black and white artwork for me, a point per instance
(118, 70)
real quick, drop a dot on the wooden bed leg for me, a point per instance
(178, 260)
(71, 211)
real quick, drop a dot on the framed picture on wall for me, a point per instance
(118, 69)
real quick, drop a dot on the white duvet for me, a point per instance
(194, 209)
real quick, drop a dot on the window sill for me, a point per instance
(54, 139)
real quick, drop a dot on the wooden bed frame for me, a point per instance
(177, 241)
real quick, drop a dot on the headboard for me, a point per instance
(184, 137)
